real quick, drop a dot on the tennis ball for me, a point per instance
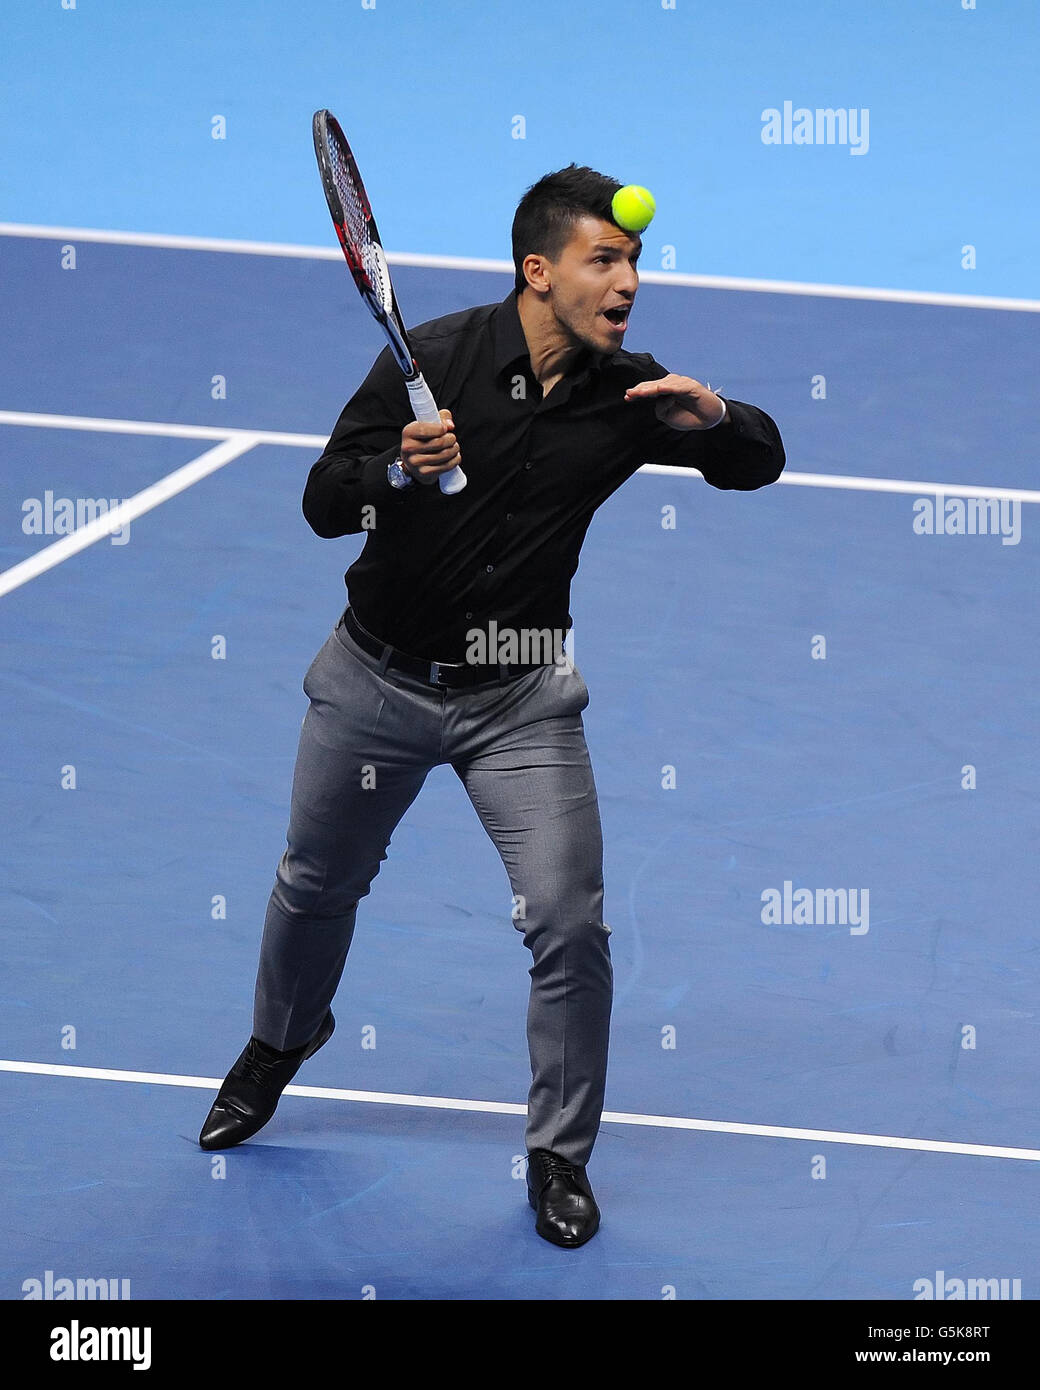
(633, 207)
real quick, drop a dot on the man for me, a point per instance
(435, 660)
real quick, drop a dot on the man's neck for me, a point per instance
(553, 351)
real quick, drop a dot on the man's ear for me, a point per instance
(538, 272)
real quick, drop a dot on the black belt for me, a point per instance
(437, 673)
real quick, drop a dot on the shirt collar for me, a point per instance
(510, 344)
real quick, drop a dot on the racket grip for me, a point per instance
(424, 408)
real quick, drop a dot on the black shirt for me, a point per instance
(505, 548)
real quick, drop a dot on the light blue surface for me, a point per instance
(106, 110)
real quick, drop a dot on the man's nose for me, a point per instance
(627, 281)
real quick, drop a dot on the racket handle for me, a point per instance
(424, 408)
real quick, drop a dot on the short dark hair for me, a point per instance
(547, 213)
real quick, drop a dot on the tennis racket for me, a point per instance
(359, 238)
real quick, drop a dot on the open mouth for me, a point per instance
(618, 316)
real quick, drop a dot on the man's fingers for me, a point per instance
(671, 385)
(429, 449)
(423, 430)
(430, 474)
(428, 466)
(443, 445)
(437, 452)
(646, 389)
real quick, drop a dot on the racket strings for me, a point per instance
(350, 199)
(357, 222)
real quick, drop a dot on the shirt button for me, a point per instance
(469, 615)
(490, 569)
(509, 516)
(528, 464)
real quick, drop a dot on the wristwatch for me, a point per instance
(396, 475)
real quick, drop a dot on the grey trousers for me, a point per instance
(368, 740)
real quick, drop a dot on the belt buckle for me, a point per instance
(436, 667)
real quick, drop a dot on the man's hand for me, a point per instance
(429, 450)
(683, 403)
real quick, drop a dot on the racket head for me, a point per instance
(357, 232)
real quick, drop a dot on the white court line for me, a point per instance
(126, 512)
(318, 441)
(152, 427)
(858, 484)
(651, 277)
(495, 1107)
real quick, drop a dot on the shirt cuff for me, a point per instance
(377, 486)
(722, 417)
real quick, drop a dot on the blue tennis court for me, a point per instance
(812, 722)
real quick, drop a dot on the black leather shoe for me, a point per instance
(560, 1193)
(253, 1088)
